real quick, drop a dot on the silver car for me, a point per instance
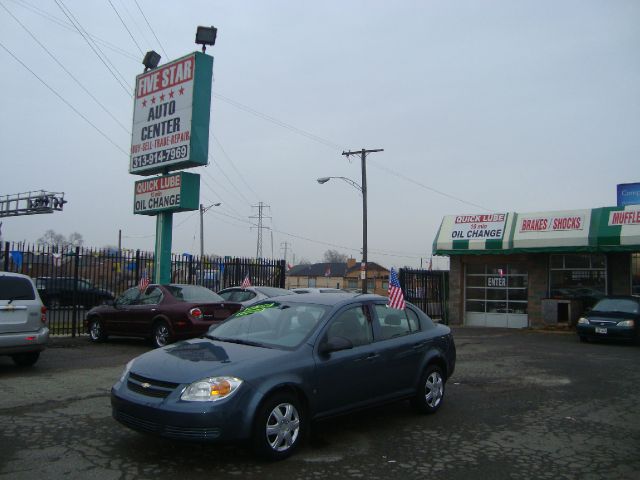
(23, 319)
(250, 295)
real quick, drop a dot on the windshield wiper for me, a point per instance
(238, 341)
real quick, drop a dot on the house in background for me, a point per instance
(338, 275)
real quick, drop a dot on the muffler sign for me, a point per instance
(178, 192)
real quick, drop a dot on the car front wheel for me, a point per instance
(430, 392)
(279, 427)
(96, 331)
(161, 336)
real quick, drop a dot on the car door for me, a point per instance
(400, 345)
(144, 310)
(118, 317)
(348, 378)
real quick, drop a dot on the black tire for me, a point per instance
(279, 427)
(160, 335)
(583, 339)
(96, 331)
(430, 393)
(25, 359)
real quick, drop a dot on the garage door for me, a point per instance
(496, 296)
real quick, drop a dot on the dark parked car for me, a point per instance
(272, 368)
(250, 295)
(59, 292)
(23, 319)
(615, 317)
(163, 313)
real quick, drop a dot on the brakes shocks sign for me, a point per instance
(177, 192)
(171, 116)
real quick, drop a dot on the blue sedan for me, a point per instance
(265, 373)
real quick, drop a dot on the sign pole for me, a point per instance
(162, 259)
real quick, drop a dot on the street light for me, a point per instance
(363, 191)
(151, 60)
(203, 209)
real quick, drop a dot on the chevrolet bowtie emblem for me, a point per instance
(145, 385)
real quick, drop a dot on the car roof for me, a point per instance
(326, 298)
(14, 274)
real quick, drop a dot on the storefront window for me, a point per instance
(496, 289)
(578, 276)
(635, 274)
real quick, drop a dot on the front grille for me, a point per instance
(172, 431)
(150, 387)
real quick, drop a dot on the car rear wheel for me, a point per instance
(430, 392)
(96, 331)
(279, 427)
(25, 359)
(161, 335)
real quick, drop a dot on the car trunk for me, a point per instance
(218, 312)
(15, 319)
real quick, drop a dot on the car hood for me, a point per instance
(610, 316)
(191, 360)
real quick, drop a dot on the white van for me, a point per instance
(23, 319)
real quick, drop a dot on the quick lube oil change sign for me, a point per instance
(171, 116)
(176, 192)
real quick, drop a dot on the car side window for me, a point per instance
(151, 296)
(352, 324)
(242, 296)
(129, 297)
(414, 322)
(392, 322)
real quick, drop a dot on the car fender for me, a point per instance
(434, 355)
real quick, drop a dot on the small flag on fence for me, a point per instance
(246, 282)
(327, 272)
(144, 281)
(396, 298)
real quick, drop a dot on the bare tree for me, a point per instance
(333, 256)
(52, 238)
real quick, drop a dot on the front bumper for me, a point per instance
(24, 342)
(225, 420)
(607, 332)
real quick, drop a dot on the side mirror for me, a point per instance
(334, 344)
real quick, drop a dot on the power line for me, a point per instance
(52, 18)
(125, 27)
(154, 33)
(85, 35)
(64, 100)
(66, 70)
(233, 165)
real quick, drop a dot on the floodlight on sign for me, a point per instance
(151, 60)
(206, 36)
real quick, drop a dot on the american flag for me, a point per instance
(144, 281)
(396, 298)
(246, 282)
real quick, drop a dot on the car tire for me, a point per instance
(96, 331)
(583, 339)
(279, 427)
(430, 393)
(25, 359)
(161, 335)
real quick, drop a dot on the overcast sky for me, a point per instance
(480, 106)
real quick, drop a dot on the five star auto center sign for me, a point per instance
(171, 116)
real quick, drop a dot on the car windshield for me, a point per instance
(622, 305)
(271, 324)
(273, 291)
(193, 293)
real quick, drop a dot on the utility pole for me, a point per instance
(261, 207)
(363, 160)
(284, 246)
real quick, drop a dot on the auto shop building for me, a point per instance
(522, 270)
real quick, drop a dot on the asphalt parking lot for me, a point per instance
(522, 404)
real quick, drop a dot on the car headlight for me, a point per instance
(583, 321)
(126, 370)
(627, 323)
(211, 389)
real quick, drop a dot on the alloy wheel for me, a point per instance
(283, 427)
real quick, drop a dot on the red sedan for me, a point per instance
(163, 313)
